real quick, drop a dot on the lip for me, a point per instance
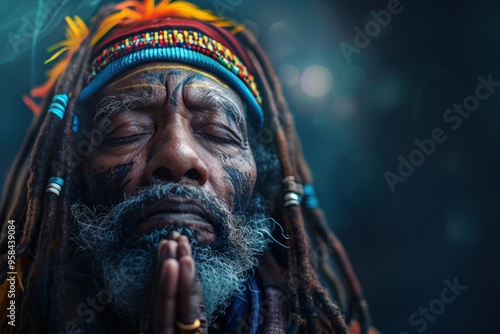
(172, 211)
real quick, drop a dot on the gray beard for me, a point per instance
(125, 260)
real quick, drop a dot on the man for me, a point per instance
(162, 190)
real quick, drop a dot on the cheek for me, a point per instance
(108, 180)
(239, 175)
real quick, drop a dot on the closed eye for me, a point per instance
(122, 140)
(220, 134)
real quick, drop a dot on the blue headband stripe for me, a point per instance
(181, 55)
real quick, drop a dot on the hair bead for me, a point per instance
(292, 198)
(293, 191)
(58, 105)
(55, 185)
(310, 199)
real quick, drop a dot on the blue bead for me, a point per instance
(57, 180)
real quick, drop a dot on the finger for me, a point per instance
(166, 301)
(162, 247)
(188, 301)
(183, 248)
(171, 249)
(153, 290)
(159, 260)
(178, 237)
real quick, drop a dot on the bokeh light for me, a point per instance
(278, 27)
(354, 117)
(316, 81)
(252, 26)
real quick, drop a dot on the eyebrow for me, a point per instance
(226, 106)
(205, 86)
(128, 101)
(142, 85)
(112, 104)
(183, 83)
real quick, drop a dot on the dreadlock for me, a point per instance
(304, 285)
(43, 220)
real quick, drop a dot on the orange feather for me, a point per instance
(127, 12)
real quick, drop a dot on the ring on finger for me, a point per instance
(194, 328)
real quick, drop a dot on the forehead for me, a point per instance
(165, 75)
(160, 83)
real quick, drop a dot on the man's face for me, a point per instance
(171, 123)
(176, 157)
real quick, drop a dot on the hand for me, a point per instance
(177, 296)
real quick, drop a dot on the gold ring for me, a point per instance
(193, 328)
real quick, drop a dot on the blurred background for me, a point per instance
(365, 80)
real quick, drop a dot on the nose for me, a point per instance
(175, 159)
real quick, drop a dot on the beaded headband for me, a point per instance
(188, 46)
(181, 44)
(138, 31)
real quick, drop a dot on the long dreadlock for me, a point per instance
(43, 220)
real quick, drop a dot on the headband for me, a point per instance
(194, 43)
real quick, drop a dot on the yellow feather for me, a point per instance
(76, 32)
(72, 27)
(127, 12)
(55, 55)
(112, 21)
(238, 29)
(56, 46)
(137, 11)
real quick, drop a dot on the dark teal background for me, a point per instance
(439, 224)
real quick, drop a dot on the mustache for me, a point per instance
(132, 209)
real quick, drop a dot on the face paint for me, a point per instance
(241, 187)
(185, 81)
(205, 128)
(106, 188)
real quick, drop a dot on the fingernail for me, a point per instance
(175, 234)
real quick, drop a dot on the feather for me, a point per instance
(136, 11)
(28, 101)
(76, 32)
(127, 12)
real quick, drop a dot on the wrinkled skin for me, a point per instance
(172, 123)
